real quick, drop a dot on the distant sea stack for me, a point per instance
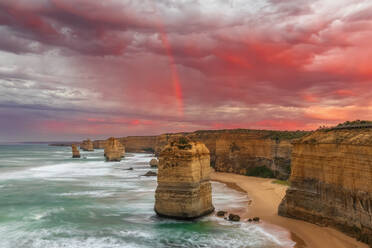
(184, 190)
(75, 151)
(331, 180)
(114, 150)
(87, 145)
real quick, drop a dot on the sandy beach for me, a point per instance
(266, 197)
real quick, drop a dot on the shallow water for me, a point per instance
(48, 199)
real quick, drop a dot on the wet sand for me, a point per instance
(266, 197)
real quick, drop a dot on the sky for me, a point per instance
(72, 69)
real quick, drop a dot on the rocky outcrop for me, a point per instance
(75, 151)
(114, 150)
(154, 162)
(99, 144)
(331, 181)
(87, 145)
(184, 190)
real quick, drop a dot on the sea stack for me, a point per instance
(184, 190)
(114, 150)
(75, 151)
(87, 145)
(331, 181)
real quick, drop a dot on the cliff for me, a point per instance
(184, 190)
(331, 181)
(249, 152)
(139, 143)
(246, 152)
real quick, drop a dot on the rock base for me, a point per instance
(185, 203)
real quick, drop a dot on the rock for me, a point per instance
(113, 150)
(184, 190)
(75, 151)
(87, 145)
(121, 149)
(331, 181)
(234, 217)
(154, 162)
(256, 219)
(221, 213)
(150, 174)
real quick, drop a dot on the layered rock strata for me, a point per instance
(114, 150)
(240, 151)
(75, 151)
(139, 143)
(331, 181)
(87, 145)
(184, 190)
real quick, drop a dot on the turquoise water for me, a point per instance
(48, 199)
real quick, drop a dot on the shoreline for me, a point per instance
(265, 198)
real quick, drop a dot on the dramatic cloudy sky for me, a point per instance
(71, 69)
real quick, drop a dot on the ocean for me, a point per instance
(49, 200)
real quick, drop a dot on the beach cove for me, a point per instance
(265, 198)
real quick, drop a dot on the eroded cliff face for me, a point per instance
(243, 151)
(331, 181)
(139, 143)
(184, 190)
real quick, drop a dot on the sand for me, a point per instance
(266, 197)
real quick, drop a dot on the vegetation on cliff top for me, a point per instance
(265, 134)
(348, 125)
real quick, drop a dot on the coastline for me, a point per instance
(266, 197)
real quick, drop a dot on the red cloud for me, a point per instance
(176, 66)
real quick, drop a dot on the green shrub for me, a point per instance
(261, 171)
(282, 182)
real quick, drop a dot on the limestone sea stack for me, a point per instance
(184, 190)
(87, 145)
(331, 181)
(113, 150)
(75, 151)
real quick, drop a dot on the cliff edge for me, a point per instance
(331, 181)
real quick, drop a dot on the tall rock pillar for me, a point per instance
(184, 190)
(75, 151)
(114, 150)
